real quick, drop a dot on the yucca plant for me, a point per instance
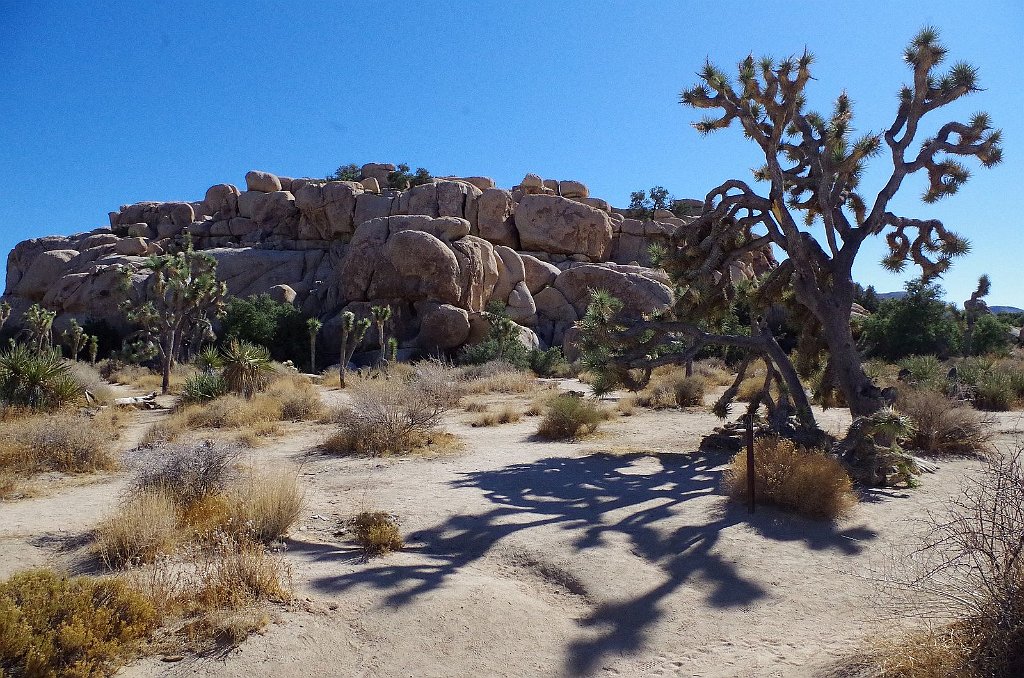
(209, 360)
(202, 387)
(37, 380)
(246, 367)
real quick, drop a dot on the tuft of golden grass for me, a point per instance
(62, 441)
(506, 415)
(942, 652)
(807, 482)
(942, 426)
(377, 532)
(142, 528)
(298, 398)
(264, 505)
(626, 406)
(146, 379)
(713, 371)
(570, 417)
(504, 382)
(476, 406)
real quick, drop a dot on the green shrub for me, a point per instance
(260, 320)
(202, 387)
(38, 380)
(994, 391)
(549, 363)
(53, 626)
(569, 416)
(925, 370)
(991, 335)
(920, 323)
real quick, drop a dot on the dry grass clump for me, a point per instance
(807, 482)
(498, 376)
(476, 406)
(51, 625)
(144, 527)
(89, 378)
(377, 532)
(689, 392)
(670, 387)
(568, 417)
(144, 378)
(626, 406)
(506, 415)
(298, 398)
(63, 441)
(942, 426)
(713, 371)
(264, 506)
(393, 416)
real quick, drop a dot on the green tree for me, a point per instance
(991, 335)
(812, 173)
(349, 172)
(260, 320)
(919, 323)
(402, 179)
(181, 293)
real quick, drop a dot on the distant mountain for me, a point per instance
(1005, 309)
(892, 295)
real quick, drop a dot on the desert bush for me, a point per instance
(569, 416)
(919, 323)
(263, 506)
(166, 430)
(377, 532)
(298, 398)
(626, 406)
(185, 472)
(202, 387)
(506, 415)
(390, 416)
(883, 374)
(262, 321)
(89, 380)
(713, 371)
(53, 626)
(144, 378)
(142, 528)
(37, 380)
(808, 482)
(689, 392)
(942, 426)
(232, 411)
(61, 441)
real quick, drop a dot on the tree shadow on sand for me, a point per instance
(592, 498)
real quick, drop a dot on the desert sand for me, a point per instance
(617, 555)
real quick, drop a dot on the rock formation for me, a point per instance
(437, 253)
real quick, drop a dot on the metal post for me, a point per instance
(749, 421)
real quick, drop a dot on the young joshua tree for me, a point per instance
(313, 326)
(5, 313)
(76, 339)
(182, 292)
(381, 316)
(352, 333)
(974, 308)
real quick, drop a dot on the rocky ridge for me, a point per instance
(437, 253)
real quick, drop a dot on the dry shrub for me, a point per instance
(144, 527)
(391, 416)
(9, 486)
(144, 378)
(377, 532)
(506, 415)
(89, 378)
(166, 430)
(713, 371)
(63, 441)
(476, 406)
(186, 472)
(749, 387)
(626, 406)
(498, 376)
(942, 426)
(569, 417)
(264, 505)
(298, 398)
(232, 411)
(77, 627)
(689, 392)
(807, 482)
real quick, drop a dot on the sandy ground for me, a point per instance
(613, 556)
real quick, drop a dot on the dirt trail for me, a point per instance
(528, 558)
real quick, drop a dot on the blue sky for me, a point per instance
(113, 104)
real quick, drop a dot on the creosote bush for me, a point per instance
(59, 627)
(569, 417)
(377, 532)
(807, 482)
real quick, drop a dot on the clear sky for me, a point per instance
(105, 104)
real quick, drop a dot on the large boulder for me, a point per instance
(551, 223)
(264, 182)
(221, 201)
(443, 328)
(327, 209)
(572, 189)
(39, 272)
(641, 290)
(539, 274)
(494, 218)
(511, 272)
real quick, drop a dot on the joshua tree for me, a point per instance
(39, 323)
(351, 330)
(5, 313)
(76, 339)
(313, 326)
(94, 349)
(381, 316)
(974, 308)
(182, 292)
